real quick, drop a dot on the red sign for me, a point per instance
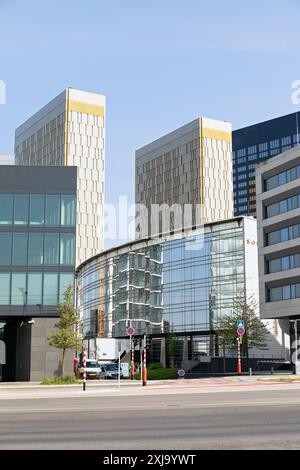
(240, 331)
(130, 330)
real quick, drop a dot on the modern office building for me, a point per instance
(278, 218)
(69, 131)
(254, 144)
(37, 263)
(182, 284)
(190, 167)
(7, 159)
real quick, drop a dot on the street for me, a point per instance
(211, 415)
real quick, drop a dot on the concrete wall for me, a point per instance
(35, 359)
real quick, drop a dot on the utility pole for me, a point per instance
(239, 364)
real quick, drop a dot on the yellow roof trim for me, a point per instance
(87, 108)
(215, 134)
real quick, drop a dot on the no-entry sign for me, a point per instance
(241, 331)
(130, 330)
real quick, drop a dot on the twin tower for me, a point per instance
(189, 166)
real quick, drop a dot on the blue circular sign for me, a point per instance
(130, 330)
(181, 373)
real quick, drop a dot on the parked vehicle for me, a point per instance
(110, 371)
(92, 369)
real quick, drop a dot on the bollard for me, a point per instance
(132, 371)
(84, 369)
(272, 370)
(144, 376)
(250, 371)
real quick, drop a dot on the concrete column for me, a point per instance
(163, 352)
(185, 354)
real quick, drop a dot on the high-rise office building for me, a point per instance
(184, 283)
(190, 166)
(253, 144)
(37, 264)
(69, 131)
(278, 224)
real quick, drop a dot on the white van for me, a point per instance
(92, 369)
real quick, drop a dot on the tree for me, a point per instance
(172, 344)
(67, 336)
(256, 334)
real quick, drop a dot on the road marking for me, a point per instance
(154, 406)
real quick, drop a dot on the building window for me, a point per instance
(290, 291)
(67, 249)
(19, 252)
(6, 209)
(34, 289)
(21, 209)
(274, 144)
(37, 209)
(68, 210)
(283, 264)
(5, 288)
(66, 280)
(286, 140)
(282, 235)
(5, 249)
(252, 150)
(282, 178)
(241, 152)
(283, 206)
(50, 289)
(263, 147)
(52, 210)
(18, 289)
(51, 251)
(36, 249)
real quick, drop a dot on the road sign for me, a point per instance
(130, 330)
(240, 324)
(241, 331)
(181, 373)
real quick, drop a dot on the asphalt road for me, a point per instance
(257, 419)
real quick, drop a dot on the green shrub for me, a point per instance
(158, 374)
(155, 365)
(66, 379)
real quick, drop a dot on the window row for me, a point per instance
(37, 249)
(283, 235)
(283, 206)
(34, 288)
(282, 178)
(284, 263)
(37, 209)
(291, 291)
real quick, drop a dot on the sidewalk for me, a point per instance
(128, 382)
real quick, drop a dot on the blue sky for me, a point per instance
(160, 63)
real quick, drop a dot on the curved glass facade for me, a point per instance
(180, 285)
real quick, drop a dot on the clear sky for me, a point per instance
(160, 63)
